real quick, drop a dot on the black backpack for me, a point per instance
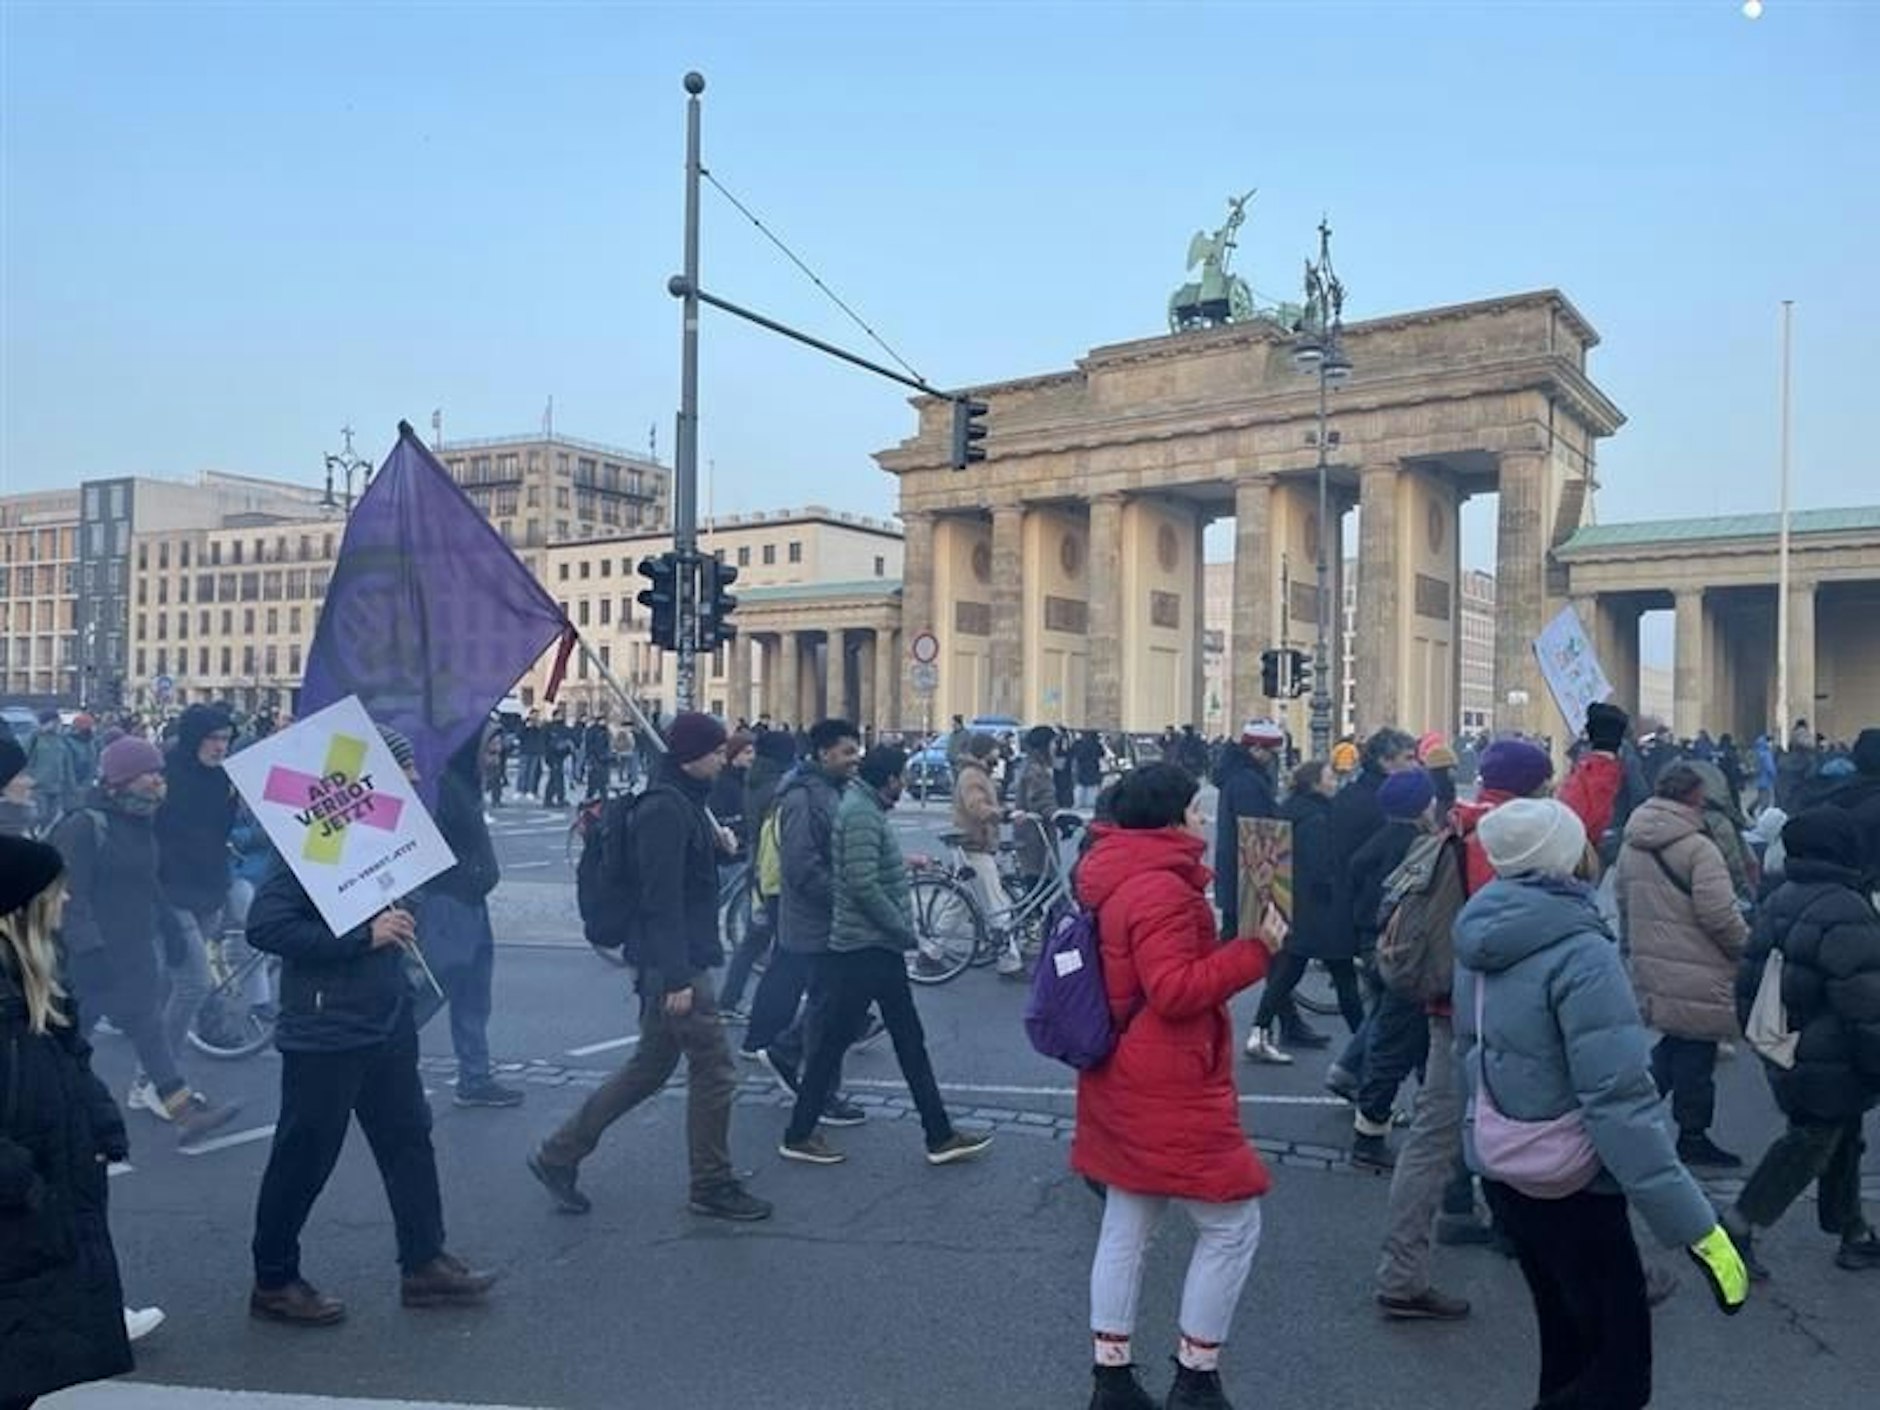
(604, 882)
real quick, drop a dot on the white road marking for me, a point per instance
(1002, 1090)
(524, 866)
(238, 1138)
(129, 1395)
(606, 1047)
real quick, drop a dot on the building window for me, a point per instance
(561, 572)
(770, 555)
(271, 662)
(274, 620)
(215, 555)
(140, 661)
(796, 550)
(293, 621)
(202, 660)
(228, 620)
(585, 569)
(607, 611)
(248, 660)
(182, 624)
(248, 621)
(293, 659)
(881, 566)
(225, 587)
(202, 623)
(581, 613)
(251, 587)
(607, 567)
(143, 556)
(235, 551)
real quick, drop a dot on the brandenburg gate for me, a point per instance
(1063, 574)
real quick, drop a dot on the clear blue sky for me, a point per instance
(230, 229)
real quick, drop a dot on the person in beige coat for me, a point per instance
(1685, 932)
(977, 815)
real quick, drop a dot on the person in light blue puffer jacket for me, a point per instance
(1563, 1034)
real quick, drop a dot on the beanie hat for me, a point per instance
(1040, 737)
(1406, 794)
(198, 722)
(402, 752)
(1867, 751)
(1433, 739)
(12, 759)
(1532, 835)
(26, 869)
(738, 741)
(1515, 766)
(691, 736)
(1823, 835)
(1441, 757)
(1262, 734)
(127, 758)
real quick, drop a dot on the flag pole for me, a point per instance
(1783, 704)
(626, 697)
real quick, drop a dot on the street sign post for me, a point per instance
(924, 648)
(925, 677)
(165, 688)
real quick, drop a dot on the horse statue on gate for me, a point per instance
(1218, 296)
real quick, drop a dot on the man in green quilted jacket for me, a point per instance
(871, 935)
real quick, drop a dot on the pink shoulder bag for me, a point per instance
(1540, 1159)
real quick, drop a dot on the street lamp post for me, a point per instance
(346, 462)
(1319, 350)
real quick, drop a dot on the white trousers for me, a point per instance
(1226, 1238)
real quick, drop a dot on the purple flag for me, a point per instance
(430, 617)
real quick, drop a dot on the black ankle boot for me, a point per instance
(1197, 1390)
(1116, 1388)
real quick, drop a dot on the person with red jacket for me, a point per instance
(1159, 1121)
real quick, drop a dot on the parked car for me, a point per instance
(23, 722)
(929, 774)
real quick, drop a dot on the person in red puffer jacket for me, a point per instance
(1160, 1119)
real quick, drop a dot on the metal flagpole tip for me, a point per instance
(695, 83)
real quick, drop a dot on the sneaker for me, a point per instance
(1701, 1150)
(488, 1092)
(961, 1145)
(1262, 1048)
(930, 966)
(1298, 1034)
(1009, 965)
(732, 1202)
(1196, 1390)
(196, 1118)
(299, 1304)
(840, 1111)
(781, 1070)
(143, 1097)
(1427, 1306)
(751, 1054)
(1116, 1388)
(107, 1028)
(811, 1150)
(1372, 1153)
(1858, 1255)
(445, 1282)
(140, 1322)
(1342, 1083)
(1463, 1231)
(559, 1181)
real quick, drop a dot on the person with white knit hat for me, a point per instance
(1562, 1116)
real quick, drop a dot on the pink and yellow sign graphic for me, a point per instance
(328, 803)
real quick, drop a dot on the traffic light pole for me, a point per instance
(685, 468)
(1321, 654)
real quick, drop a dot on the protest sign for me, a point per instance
(1570, 668)
(1266, 880)
(341, 813)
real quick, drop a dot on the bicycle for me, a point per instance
(231, 1022)
(952, 930)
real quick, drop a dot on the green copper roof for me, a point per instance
(1864, 519)
(812, 592)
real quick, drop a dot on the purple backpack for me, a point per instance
(1068, 1012)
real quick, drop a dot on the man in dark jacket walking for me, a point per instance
(1860, 798)
(670, 850)
(455, 936)
(1825, 926)
(806, 817)
(348, 1048)
(193, 828)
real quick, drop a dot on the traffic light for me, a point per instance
(661, 598)
(716, 605)
(1301, 672)
(969, 428)
(1269, 673)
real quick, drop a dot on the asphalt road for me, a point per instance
(881, 1283)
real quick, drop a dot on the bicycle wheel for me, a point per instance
(227, 1024)
(948, 929)
(1315, 993)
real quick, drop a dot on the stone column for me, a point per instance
(1008, 616)
(917, 604)
(1380, 618)
(789, 694)
(1521, 592)
(1801, 657)
(1103, 679)
(1251, 630)
(836, 704)
(887, 672)
(865, 670)
(1690, 675)
(1197, 666)
(739, 704)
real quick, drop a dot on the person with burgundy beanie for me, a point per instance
(1159, 1121)
(672, 851)
(112, 919)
